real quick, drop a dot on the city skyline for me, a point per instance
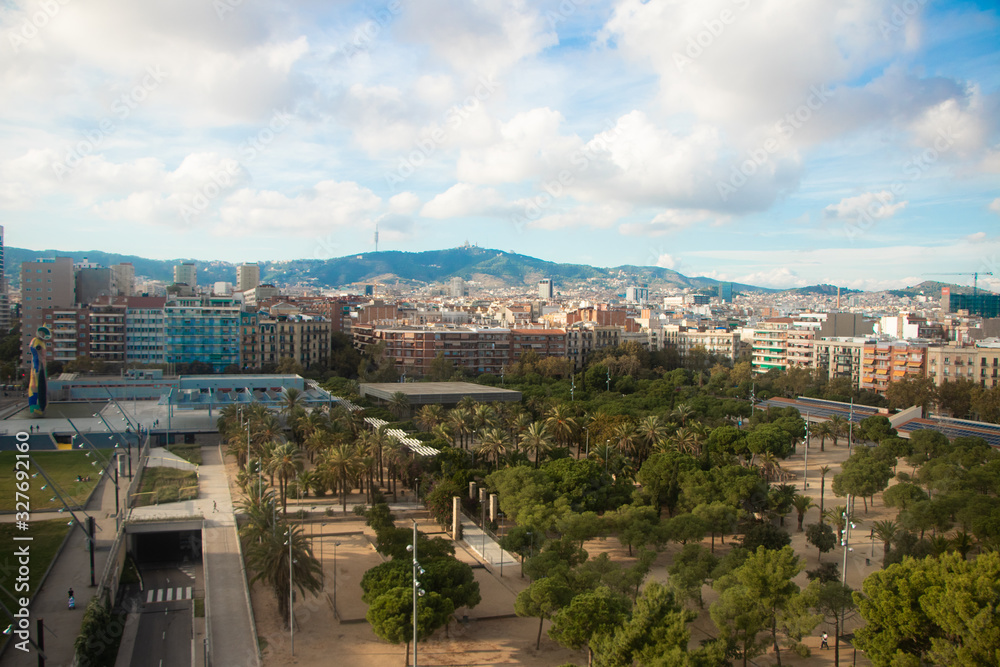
(718, 139)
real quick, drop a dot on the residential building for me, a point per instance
(840, 357)
(106, 330)
(187, 274)
(475, 349)
(769, 346)
(726, 292)
(69, 333)
(545, 289)
(123, 279)
(456, 287)
(988, 366)
(92, 283)
(719, 342)
(205, 329)
(582, 338)
(885, 362)
(145, 330)
(45, 283)
(639, 295)
(267, 340)
(544, 342)
(247, 276)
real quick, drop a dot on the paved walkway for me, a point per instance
(485, 547)
(70, 570)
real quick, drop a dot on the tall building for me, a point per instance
(145, 333)
(186, 273)
(984, 304)
(266, 341)
(45, 283)
(545, 289)
(123, 279)
(247, 276)
(205, 329)
(4, 304)
(456, 287)
(781, 343)
(92, 283)
(638, 295)
(726, 292)
(885, 362)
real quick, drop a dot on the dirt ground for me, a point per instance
(485, 639)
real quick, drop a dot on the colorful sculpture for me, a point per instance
(38, 397)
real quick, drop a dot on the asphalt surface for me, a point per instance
(164, 635)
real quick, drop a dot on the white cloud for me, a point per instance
(463, 200)
(779, 277)
(404, 203)
(666, 261)
(671, 220)
(995, 205)
(325, 206)
(875, 205)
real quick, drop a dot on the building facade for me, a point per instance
(186, 273)
(247, 276)
(45, 283)
(885, 362)
(204, 329)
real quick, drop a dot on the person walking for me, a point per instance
(215, 506)
(824, 643)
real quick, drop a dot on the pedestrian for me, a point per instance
(70, 593)
(215, 506)
(824, 644)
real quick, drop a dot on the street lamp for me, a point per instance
(336, 614)
(128, 441)
(805, 473)
(291, 599)
(417, 591)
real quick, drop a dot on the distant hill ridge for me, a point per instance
(493, 268)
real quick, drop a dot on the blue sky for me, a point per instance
(768, 142)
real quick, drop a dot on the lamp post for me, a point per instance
(805, 473)
(322, 571)
(336, 614)
(291, 599)
(128, 441)
(417, 591)
(587, 431)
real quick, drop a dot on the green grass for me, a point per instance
(189, 452)
(199, 608)
(63, 467)
(47, 536)
(166, 485)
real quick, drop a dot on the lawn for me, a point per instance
(166, 485)
(188, 452)
(63, 467)
(47, 536)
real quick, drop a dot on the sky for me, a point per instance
(776, 143)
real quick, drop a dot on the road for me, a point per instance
(164, 635)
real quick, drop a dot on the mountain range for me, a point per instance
(488, 267)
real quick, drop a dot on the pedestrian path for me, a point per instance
(168, 594)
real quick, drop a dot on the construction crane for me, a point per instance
(975, 279)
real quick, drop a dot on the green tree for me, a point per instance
(886, 531)
(910, 391)
(684, 528)
(765, 535)
(760, 597)
(441, 369)
(589, 613)
(821, 536)
(692, 568)
(719, 519)
(862, 474)
(637, 526)
(542, 599)
(391, 615)
(656, 633)
(802, 504)
(268, 560)
(875, 428)
(769, 438)
(536, 440)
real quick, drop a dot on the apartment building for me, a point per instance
(988, 362)
(106, 331)
(69, 333)
(582, 338)
(145, 330)
(782, 343)
(885, 362)
(4, 302)
(947, 363)
(476, 349)
(266, 341)
(247, 276)
(544, 342)
(187, 274)
(45, 283)
(205, 329)
(840, 357)
(123, 279)
(718, 342)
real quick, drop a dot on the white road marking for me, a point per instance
(149, 595)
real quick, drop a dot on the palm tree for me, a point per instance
(682, 413)
(483, 417)
(770, 465)
(823, 430)
(962, 543)
(467, 403)
(492, 443)
(561, 425)
(258, 512)
(624, 436)
(394, 457)
(445, 432)
(430, 416)
(268, 560)
(699, 432)
(835, 515)
(823, 472)
(650, 433)
(399, 405)
(317, 442)
(838, 427)
(285, 463)
(291, 398)
(885, 531)
(603, 453)
(683, 440)
(536, 439)
(460, 420)
(341, 462)
(802, 504)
